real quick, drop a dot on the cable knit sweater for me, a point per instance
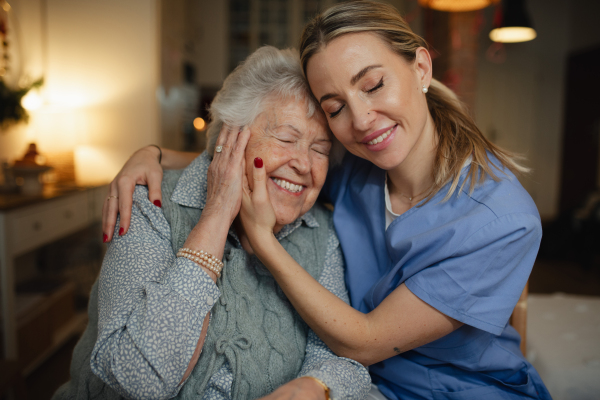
(152, 306)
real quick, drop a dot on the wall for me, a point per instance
(520, 101)
(101, 72)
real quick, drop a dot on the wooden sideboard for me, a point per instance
(26, 224)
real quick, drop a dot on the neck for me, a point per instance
(414, 176)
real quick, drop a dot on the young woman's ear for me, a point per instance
(423, 66)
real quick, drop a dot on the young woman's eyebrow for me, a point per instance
(363, 72)
(353, 81)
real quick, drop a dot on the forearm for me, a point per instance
(154, 329)
(401, 322)
(345, 330)
(346, 378)
(153, 309)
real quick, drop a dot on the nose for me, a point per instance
(362, 116)
(301, 161)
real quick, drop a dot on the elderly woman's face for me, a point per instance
(295, 152)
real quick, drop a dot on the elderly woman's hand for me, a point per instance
(257, 214)
(226, 174)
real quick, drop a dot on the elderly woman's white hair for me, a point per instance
(266, 72)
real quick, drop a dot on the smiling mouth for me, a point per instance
(381, 137)
(289, 186)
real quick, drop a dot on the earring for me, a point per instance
(425, 90)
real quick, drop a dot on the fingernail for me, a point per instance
(121, 231)
(258, 162)
(157, 203)
(104, 238)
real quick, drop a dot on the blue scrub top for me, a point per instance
(469, 257)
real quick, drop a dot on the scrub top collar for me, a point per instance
(390, 215)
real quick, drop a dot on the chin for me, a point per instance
(286, 219)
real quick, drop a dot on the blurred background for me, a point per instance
(97, 80)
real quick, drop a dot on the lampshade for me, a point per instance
(457, 5)
(514, 25)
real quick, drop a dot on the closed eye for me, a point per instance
(333, 114)
(324, 152)
(377, 87)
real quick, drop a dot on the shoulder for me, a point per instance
(494, 211)
(143, 209)
(504, 196)
(499, 210)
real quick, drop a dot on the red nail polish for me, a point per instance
(121, 231)
(157, 203)
(258, 163)
(104, 238)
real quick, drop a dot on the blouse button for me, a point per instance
(210, 301)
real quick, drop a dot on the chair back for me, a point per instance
(518, 319)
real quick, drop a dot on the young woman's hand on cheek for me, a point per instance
(257, 214)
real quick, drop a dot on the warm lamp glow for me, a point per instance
(457, 5)
(32, 100)
(199, 124)
(513, 34)
(95, 165)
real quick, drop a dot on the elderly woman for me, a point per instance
(156, 335)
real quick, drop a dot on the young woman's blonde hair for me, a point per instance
(458, 136)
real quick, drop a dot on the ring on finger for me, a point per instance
(219, 149)
(111, 197)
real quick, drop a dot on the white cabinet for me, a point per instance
(25, 225)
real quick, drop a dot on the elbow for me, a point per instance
(153, 386)
(362, 354)
(359, 345)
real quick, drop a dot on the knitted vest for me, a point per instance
(253, 326)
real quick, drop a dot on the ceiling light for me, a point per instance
(514, 24)
(457, 5)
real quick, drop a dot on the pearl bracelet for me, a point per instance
(203, 259)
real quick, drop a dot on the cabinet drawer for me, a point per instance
(36, 226)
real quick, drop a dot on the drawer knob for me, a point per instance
(37, 225)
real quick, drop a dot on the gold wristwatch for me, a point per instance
(323, 385)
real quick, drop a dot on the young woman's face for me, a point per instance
(372, 97)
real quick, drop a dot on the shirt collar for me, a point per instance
(191, 188)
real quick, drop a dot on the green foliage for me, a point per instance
(11, 110)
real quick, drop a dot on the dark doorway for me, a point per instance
(579, 175)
